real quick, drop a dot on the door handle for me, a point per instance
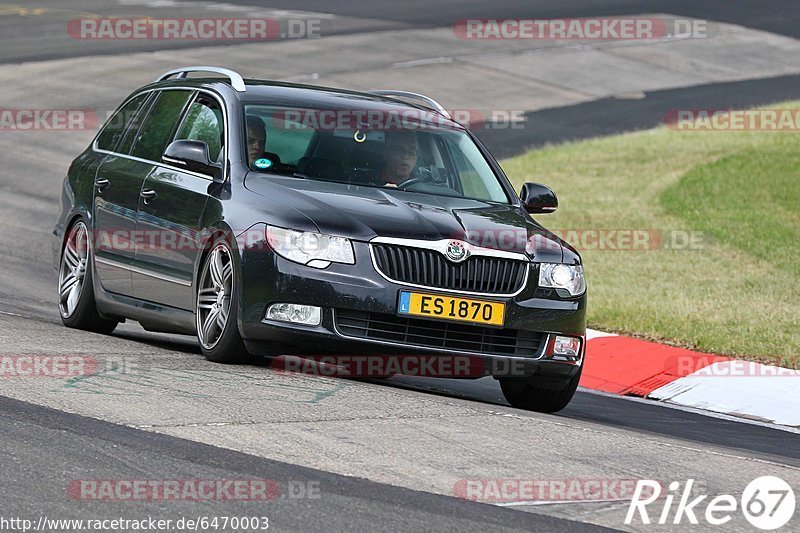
(101, 183)
(148, 194)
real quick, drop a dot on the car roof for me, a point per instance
(300, 95)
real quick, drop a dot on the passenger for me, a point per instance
(256, 139)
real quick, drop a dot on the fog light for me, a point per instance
(308, 315)
(567, 346)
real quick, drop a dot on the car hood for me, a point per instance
(362, 213)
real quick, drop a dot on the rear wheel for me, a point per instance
(76, 303)
(545, 394)
(216, 308)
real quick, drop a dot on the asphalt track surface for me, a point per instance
(37, 36)
(349, 504)
(44, 447)
(777, 19)
(608, 116)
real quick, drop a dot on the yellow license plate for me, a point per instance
(451, 308)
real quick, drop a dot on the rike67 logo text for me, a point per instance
(767, 502)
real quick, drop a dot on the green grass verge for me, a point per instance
(738, 292)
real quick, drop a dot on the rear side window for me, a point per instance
(130, 136)
(160, 124)
(204, 122)
(117, 125)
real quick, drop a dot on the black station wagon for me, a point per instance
(271, 218)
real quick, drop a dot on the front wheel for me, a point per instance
(542, 393)
(216, 308)
(76, 303)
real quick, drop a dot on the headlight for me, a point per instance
(313, 249)
(560, 276)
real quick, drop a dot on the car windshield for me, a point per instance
(417, 156)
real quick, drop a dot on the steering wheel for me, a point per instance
(408, 182)
(425, 176)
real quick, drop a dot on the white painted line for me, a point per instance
(302, 77)
(421, 62)
(595, 334)
(693, 410)
(739, 388)
(14, 314)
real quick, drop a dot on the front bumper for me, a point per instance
(268, 278)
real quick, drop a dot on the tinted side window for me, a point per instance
(468, 160)
(119, 122)
(125, 146)
(204, 122)
(288, 139)
(159, 126)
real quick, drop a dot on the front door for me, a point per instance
(173, 214)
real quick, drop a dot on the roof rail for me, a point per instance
(236, 79)
(431, 103)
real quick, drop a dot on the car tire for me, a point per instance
(76, 302)
(544, 394)
(216, 307)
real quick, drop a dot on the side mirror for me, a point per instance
(193, 156)
(537, 198)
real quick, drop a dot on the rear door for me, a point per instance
(118, 181)
(164, 268)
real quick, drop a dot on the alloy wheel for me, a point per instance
(214, 296)
(74, 261)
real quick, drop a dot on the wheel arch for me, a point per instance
(209, 236)
(71, 219)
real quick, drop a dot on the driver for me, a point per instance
(400, 157)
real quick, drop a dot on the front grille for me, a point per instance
(438, 334)
(488, 275)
